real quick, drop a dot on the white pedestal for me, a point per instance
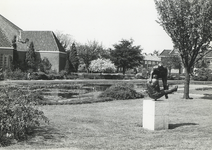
(155, 114)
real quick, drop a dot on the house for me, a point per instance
(45, 43)
(167, 53)
(150, 60)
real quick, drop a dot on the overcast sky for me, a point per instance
(106, 21)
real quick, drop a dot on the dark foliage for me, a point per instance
(73, 58)
(31, 57)
(45, 65)
(203, 74)
(126, 56)
(121, 92)
(18, 114)
(14, 75)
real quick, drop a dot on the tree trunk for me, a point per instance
(186, 84)
(124, 70)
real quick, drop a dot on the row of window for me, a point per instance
(151, 62)
(4, 63)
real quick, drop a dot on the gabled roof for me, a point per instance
(7, 31)
(174, 52)
(152, 58)
(3, 40)
(165, 52)
(42, 40)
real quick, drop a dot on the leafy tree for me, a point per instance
(15, 62)
(156, 52)
(172, 62)
(73, 58)
(102, 65)
(126, 56)
(202, 64)
(88, 52)
(31, 57)
(67, 65)
(189, 24)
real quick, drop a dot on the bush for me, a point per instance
(39, 76)
(203, 74)
(121, 92)
(18, 114)
(129, 76)
(139, 76)
(15, 75)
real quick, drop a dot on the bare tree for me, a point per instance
(66, 40)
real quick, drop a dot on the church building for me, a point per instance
(46, 45)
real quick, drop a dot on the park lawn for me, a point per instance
(118, 125)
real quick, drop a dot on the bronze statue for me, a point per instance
(153, 87)
(161, 72)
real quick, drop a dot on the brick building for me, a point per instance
(45, 43)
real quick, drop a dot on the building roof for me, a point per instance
(3, 40)
(165, 52)
(152, 58)
(42, 40)
(7, 31)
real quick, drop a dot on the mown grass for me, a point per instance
(118, 125)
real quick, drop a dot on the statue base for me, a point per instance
(155, 114)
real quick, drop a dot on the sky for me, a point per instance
(105, 21)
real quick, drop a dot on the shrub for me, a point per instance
(139, 76)
(203, 74)
(39, 76)
(18, 114)
(15, 75)
(45, 65)
(121, 91)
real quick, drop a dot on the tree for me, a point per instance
(73, 58)
(156, 52)
(172, 62)
(126, 56)
(202, 64)
(31, 57)
(102, 65)
(189, 24)
(88, 52)
(15, 62)
(45, 65)
(65, 40)
(67, 66)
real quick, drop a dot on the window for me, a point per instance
(5, 61)
(1, 60)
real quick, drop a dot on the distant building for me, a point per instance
(167, 53)
(208, 59)
(150, 61)
(45, 43)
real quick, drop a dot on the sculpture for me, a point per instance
(153, 88)
(162, 73)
